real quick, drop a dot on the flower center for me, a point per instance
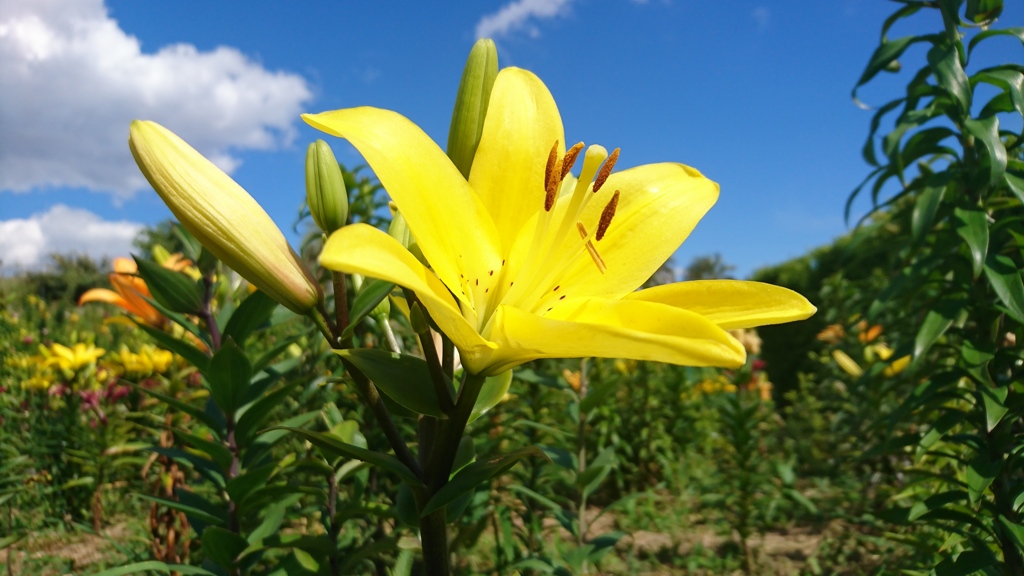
(536, 288)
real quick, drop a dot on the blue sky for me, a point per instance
(754, 93)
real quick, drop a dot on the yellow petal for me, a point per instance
(125, 266)
(362, 249)
(508, 170)
(659, 205)
(449, 222)
(103, 295)
(222, 216)
(608, 329)
(732, 303)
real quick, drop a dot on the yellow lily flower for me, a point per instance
(527, 262)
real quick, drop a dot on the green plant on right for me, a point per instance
(958, 177)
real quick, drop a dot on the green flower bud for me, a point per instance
(417, 319)
(382, 310)
(471, 104)
(222, 216)
(399, 230)
(325, 188)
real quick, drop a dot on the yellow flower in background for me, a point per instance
(625, 367)
(225, 219)
(573, 378)
(148, 361)
(527, 262)
(849, 365)
(36, 383)
(75, 358)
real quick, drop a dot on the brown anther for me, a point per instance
(477, 281)
(562, 297)
(550, 182)
(570, 159)
(491, 273)
(556, 288)
(606, 216)
(606, 170)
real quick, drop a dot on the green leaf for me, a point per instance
(272, 520)
(1005, 280)
(1016, 185)
(986, 131)
(136, 568)
(926, 207)
(972, 226)
(966, 563)
(475, 474)
(333, 448)
(193, 411)
(1018, 32)
(373, 293)
(995, 407)
(597, 393)
(222, 546)
(492, 391)
(1010, 80)
(979, 11)
(944, 60)
(405, 379)
(1016, 531)
(174, 290)
(934, 326)
(215, 450)
(179, 319)
(252, 418)
(190, 353)
(980, 473)
(255, 311)
(886, 53)
(190, 511)
(228, 377)
(240, 487)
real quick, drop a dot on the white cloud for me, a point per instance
(762, 16)
(519, 15)
(25, 243)
(72, 80)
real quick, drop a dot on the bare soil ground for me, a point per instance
(63, 554)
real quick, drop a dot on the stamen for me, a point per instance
(550, 183)
(591, 249)
(606, 216)
(570, 158)
(606, 170)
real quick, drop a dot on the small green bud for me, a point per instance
(382, 311)
(399, 230)
(471, 104)
(325, 188)
(418, 319)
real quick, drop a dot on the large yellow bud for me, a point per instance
(222, 216)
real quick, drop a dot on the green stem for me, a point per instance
(581, 441)
(372, 398)
(433, 528)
